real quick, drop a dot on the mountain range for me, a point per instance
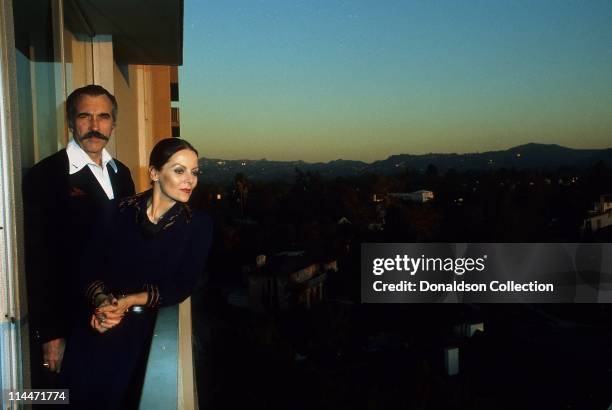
(544, 156)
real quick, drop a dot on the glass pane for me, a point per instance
(39, 80)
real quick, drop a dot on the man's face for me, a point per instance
(93, 124)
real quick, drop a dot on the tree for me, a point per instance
(241, 189)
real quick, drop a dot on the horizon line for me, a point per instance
(415, 155)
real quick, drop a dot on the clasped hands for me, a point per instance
(109, 312)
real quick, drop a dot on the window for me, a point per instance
(174, 92)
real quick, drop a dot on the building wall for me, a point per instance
(131, 133)
(161, 78)
(143, 95)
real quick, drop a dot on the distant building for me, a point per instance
(601, 215)
(597, 221)
(416, 196)
(604, 204)
(289, 279)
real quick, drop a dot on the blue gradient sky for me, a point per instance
(325, 79)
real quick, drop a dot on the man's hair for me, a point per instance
(93, 91)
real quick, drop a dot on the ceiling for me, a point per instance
(143, 31)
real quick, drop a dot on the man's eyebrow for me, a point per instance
(100, 114)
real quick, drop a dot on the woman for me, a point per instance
(154, 248)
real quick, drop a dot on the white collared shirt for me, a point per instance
(78, 159)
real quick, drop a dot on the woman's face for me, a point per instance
(178, 177)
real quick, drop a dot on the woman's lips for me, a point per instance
(186, 190)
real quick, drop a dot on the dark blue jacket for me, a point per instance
(60, 210)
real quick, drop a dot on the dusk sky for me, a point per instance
(324, 79)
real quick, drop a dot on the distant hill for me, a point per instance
(532, 155)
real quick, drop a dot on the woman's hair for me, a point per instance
(164, 149)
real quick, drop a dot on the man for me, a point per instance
(64, 195)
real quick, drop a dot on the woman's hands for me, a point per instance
(97, 325)
(111, 312)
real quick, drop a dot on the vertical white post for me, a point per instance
(12, 359)
(59, 68)
(103, 71)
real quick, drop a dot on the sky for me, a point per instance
(319, 80)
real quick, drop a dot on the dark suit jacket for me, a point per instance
(60, 210)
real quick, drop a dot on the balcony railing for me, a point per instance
(169, 379)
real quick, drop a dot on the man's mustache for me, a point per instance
(92, 134)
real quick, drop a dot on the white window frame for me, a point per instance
(13, 329)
